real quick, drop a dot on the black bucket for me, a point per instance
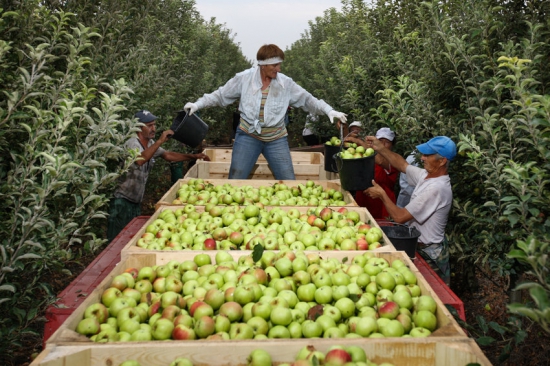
(355, 174)
(330, 163)
(401, 236)
(189, 130)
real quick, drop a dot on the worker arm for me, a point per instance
(394, 159)
(398, 214)
(150, 151)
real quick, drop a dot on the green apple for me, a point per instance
(162, 329)
(419, 332)
(259, 357)
(393, 328)
(365, 326)
(426, 302)
(425, 319)
(278, 331)
(346, 307)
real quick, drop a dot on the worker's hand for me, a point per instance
(353, 138)
(375, 191)
(338, 115)
(191, 108)
(340, 123)
(373, 142)
(165, 136)
(202, 156)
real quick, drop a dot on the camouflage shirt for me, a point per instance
(131, 186)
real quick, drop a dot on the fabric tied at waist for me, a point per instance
(255, 127)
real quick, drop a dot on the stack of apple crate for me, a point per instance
(307, 165)
(447, 345)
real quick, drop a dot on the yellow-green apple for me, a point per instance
(204, 327)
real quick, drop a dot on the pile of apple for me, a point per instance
(308, 356)
(244, 227)
(334, 141)
(262, 295)
(352, 151)
(199, 192)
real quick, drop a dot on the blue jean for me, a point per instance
(247, 149)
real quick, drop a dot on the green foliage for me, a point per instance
(73, 75)
(534, 253)
(60, 137)
(508, 336)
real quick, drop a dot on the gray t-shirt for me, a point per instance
(430, 204)
(404, 196)
(131, 186)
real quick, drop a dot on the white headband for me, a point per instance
(270, 61)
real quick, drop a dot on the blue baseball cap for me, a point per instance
(145, 116)
(441, 145)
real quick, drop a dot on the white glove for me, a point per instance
(338, 115)
(191, 108)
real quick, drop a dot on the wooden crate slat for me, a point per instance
(431, 351)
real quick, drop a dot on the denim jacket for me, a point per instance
(247, 86)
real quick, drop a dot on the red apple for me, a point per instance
(210, 244)
(337, 357)
(183, 332)
(388, 309)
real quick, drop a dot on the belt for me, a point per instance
(422, 245)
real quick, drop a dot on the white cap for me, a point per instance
(385, 133)
(356, 123)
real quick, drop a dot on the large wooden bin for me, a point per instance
(66, 334)
(220, 170)
(364, 216)
(399, 351)
(172, 193)
(298, 157)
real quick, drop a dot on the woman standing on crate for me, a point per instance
(128, 195)
(265, 95)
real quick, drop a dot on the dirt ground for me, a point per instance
(483, 295)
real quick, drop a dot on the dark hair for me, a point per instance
(269, 51)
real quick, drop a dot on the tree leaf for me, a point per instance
(485, 340)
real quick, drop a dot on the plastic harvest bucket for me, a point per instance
(330, 163)
(355, 174)
(401, 236)
(189, 130)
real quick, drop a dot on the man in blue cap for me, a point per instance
(126, 203)
(431, 200)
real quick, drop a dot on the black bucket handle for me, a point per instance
(393, 223)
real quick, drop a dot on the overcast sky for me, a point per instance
(256, 23)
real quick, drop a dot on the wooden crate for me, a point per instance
(220, 170)
(364, 216)
(172, 193)
(66, 334)
(431, 351)
(298, 157)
